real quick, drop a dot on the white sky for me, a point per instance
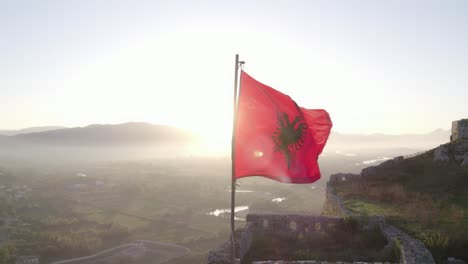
(376, 66)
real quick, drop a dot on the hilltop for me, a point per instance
(424, 195)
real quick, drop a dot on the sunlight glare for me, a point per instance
(258, 154)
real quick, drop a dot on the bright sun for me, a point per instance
(215, 131)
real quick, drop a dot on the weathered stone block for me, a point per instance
(459, 129)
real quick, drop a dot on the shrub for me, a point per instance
(435, 239)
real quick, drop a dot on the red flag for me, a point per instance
(275, 138)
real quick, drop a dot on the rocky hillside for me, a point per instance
(424, 195)
(456, 152)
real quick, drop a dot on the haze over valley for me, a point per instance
(138, 178)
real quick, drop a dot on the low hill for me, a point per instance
(424, 195)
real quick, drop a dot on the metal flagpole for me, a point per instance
(233, 152)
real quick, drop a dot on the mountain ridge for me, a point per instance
(377, 140)
(27, 130)
(107, 134)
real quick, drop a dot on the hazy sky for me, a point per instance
(376, 66)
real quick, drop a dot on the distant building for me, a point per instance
(459, 130)
(27, 260)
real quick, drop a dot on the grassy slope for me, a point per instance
(427, 199)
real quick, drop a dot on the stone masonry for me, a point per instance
(460, 129)
(412, 250)
(301, 225)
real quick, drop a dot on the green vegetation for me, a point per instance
(63, 214)
(426, 199)
(371, 208)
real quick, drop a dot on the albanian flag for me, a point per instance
(275, 138)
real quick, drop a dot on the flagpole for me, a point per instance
(233, 152)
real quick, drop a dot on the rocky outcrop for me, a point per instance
(460, 151)
(455, 151)
(441, 154)
(465, 161)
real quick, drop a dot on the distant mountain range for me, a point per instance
(128, 141)
(28, 130)
(413, 141)
(136, 141)
(136, 133)
(99, 135)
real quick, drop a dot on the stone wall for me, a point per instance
(299, 225)
(412, 251)
(459, 129)
(334, 205)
